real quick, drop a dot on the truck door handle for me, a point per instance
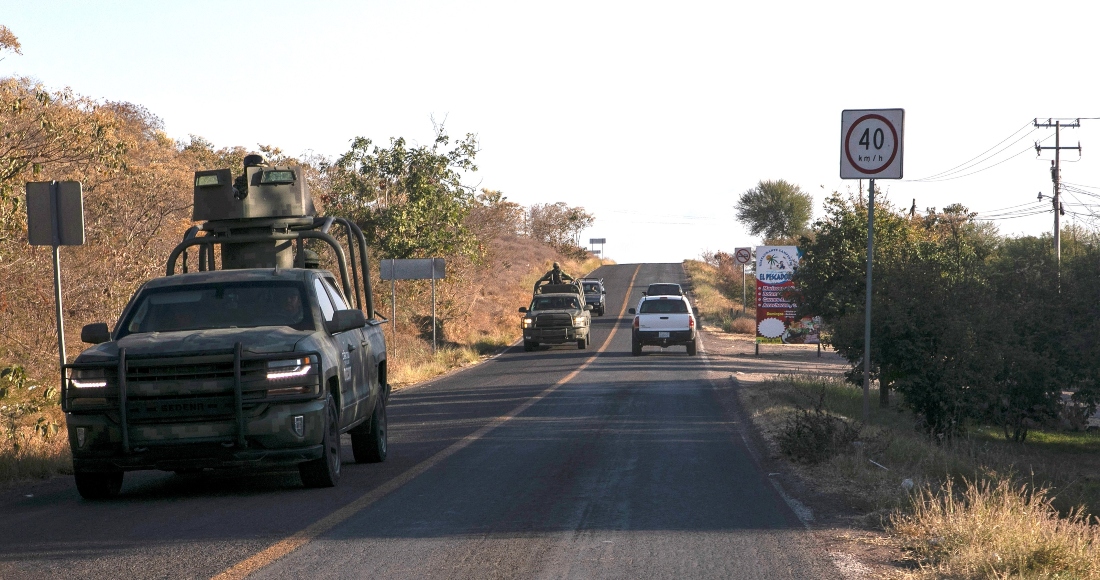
(664, 318)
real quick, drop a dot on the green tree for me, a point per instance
(410, 201)
(776, 209)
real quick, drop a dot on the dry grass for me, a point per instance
(996, 530)
(490, 322)
(996, 527)
(715, 307)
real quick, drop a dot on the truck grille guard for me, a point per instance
(122, 367)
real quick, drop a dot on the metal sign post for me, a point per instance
(55, 217)
(600, 241)
(870, 148)
(743, 256)
(417, 269)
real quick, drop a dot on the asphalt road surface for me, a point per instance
(558, 463)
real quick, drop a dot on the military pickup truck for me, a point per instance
(262, 363)
(557, 315)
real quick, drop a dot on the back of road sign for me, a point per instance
(43, 211)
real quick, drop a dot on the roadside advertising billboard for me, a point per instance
(776, 322)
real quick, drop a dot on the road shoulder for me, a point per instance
(853, 540)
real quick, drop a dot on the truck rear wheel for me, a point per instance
(692, 347)
(635, 347)
(369, 440)
(98, 484)
(325, 470)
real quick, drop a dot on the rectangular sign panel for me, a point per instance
(871, 143)
(597, 240)
(416, 269)
(67, 211)
(776, 320)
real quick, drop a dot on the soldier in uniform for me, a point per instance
(555, 275)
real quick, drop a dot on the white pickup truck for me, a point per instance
(663, 321)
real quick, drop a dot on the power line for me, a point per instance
(967, 163)
(1025, 150)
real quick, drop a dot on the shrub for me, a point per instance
(815, 435)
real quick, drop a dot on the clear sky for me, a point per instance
(654, 116)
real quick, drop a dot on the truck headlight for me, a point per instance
(579, 321)
(288, 368)
(528, 323)
(88, 378)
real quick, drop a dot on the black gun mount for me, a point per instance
(262, 220)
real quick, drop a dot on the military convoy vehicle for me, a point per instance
(558, 314)
(257, 359)
(594, 294)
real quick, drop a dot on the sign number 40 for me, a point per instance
(871, 144)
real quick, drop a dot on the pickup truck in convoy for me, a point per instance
(663, 321)
(264, 362)
(557, 315)
(594, 294)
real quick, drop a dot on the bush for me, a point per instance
(815, 435)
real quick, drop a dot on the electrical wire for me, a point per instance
(980, 158)
(988, 167)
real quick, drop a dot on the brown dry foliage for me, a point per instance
(137, 206)
(8, 40)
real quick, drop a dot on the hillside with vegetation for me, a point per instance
(411, 202)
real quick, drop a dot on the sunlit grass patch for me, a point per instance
(942, 500)
(996, 529)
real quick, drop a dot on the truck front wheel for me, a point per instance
(325, 470)
(582, 343)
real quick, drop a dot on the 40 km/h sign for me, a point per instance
(871, 143)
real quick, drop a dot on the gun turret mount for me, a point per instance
(265, 199)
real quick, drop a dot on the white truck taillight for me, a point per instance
(635, 323)
(691, 322)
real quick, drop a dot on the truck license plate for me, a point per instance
(662, 335)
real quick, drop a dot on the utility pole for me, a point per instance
(1056, 176)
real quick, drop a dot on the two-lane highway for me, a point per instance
(553, 463)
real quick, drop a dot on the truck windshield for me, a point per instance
(554, 302)
(663, 307)
(221, 305)
(591, 289)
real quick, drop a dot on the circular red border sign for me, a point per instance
(747, 258)
(848, 137)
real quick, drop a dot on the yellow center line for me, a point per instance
(284, 547)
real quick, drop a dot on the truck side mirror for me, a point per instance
(95, 333)
(345, 320)
(632, 311)
(523, 309)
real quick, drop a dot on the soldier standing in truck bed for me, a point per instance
(555, 275)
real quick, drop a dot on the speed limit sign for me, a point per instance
(871, 143)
